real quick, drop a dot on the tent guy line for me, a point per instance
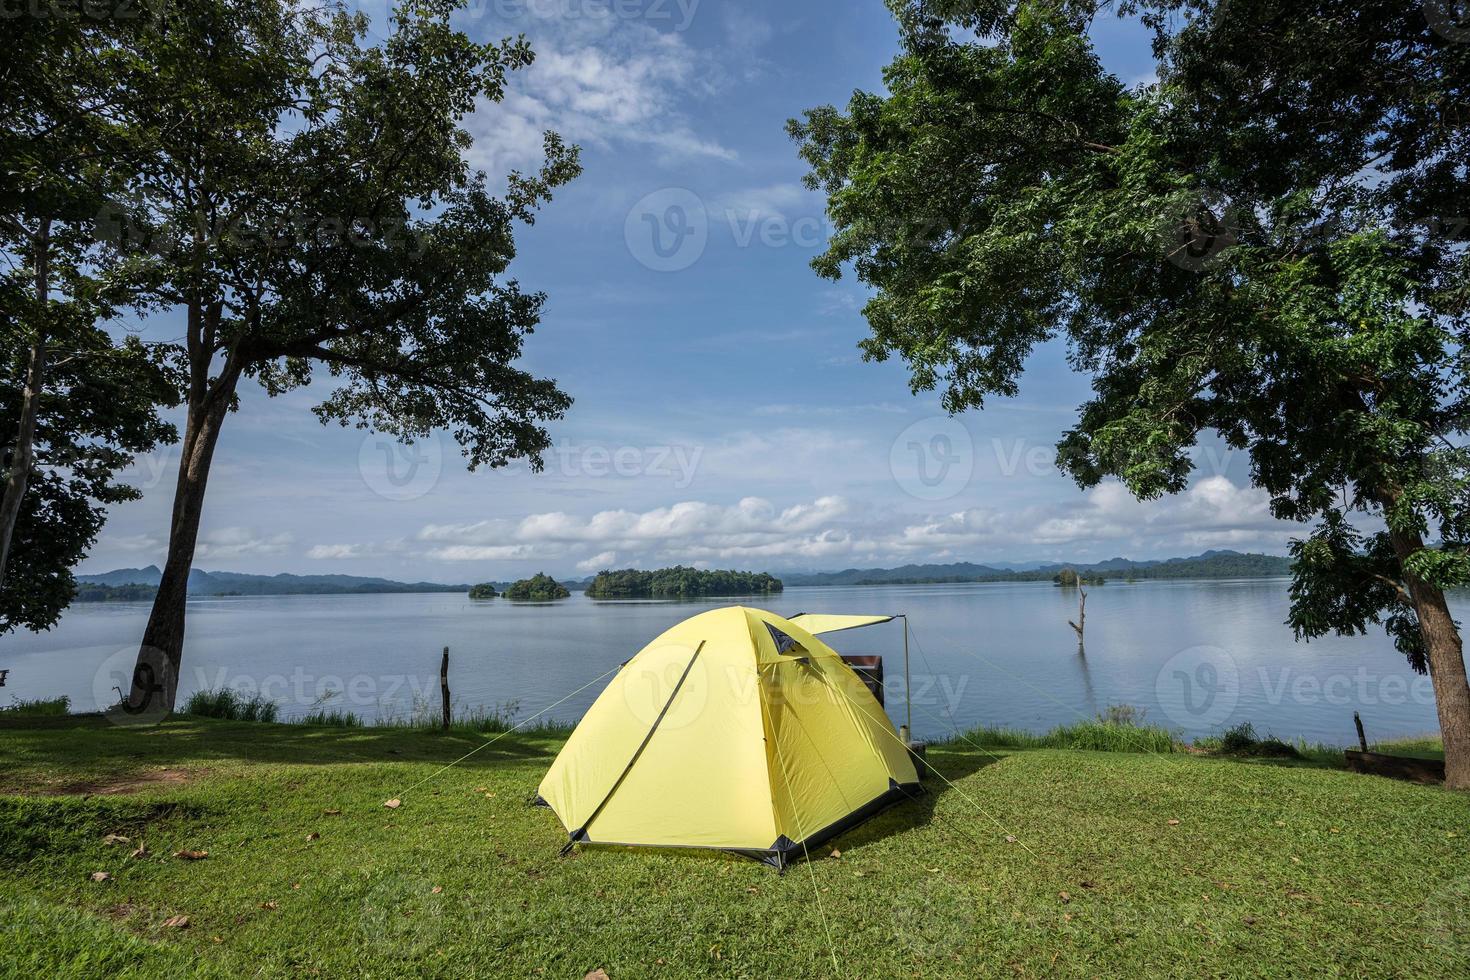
(806, 855)
(497, 738)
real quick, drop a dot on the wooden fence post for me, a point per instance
(1362, 738)
(444, 686)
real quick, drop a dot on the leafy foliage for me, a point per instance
(680, 582)
(321, 211)
(63, 148)
(96, 410)
(1262, 245)
(483, 591)
(538, 588)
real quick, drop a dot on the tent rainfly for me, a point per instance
(737, 730)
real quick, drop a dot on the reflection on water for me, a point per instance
(1198, 656)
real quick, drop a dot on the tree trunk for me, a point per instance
(156, 675)
(23, 456)
(1446, 663)
(1081, 625)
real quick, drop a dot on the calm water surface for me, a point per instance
(1198, 656)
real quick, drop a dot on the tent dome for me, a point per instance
(736, 729)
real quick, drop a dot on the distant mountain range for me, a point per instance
(239, 583)
(1211, 564)
(140, 583)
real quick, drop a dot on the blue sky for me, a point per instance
(723, 416)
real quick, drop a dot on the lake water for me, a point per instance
(1198, 656)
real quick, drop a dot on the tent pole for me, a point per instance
(908, 727)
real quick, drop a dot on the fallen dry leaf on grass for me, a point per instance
(313, 836)
(1010, 838)
(835, 853)
(435, 890)
(393, 804)
(334, 812)
(112, 839)
(597, 974)
(101, 876)
(1173, 823)
(1064, 897)
(270, 906)
(140, 851)
(176, 922)
(191, 855)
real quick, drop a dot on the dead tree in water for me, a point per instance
(1081, 623)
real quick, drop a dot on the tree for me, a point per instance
(484, 590)
(679, 581)
(63, 147)
(95, 410)
(307, 203)
(1258, 245)
(538, 588)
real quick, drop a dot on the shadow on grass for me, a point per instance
(93, 741)
(905, 815)
(919, 811)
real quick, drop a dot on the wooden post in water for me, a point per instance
(1081, 623)
(1362, 739)
(444, 686)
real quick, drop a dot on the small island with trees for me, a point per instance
(538, 588)
(680, 582)
(483, 591)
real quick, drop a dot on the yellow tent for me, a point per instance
(737, 730)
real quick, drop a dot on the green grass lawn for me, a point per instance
(1169, 865)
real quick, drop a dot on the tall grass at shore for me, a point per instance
(38, 707)
(230, 705)
(1120, 728)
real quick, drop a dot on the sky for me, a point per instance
(723, 416)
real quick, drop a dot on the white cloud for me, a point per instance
(832, 531)
(470, 552)
(239, 542)
(770, 201)
(131, 543)
(598, 81)
(599, 561)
